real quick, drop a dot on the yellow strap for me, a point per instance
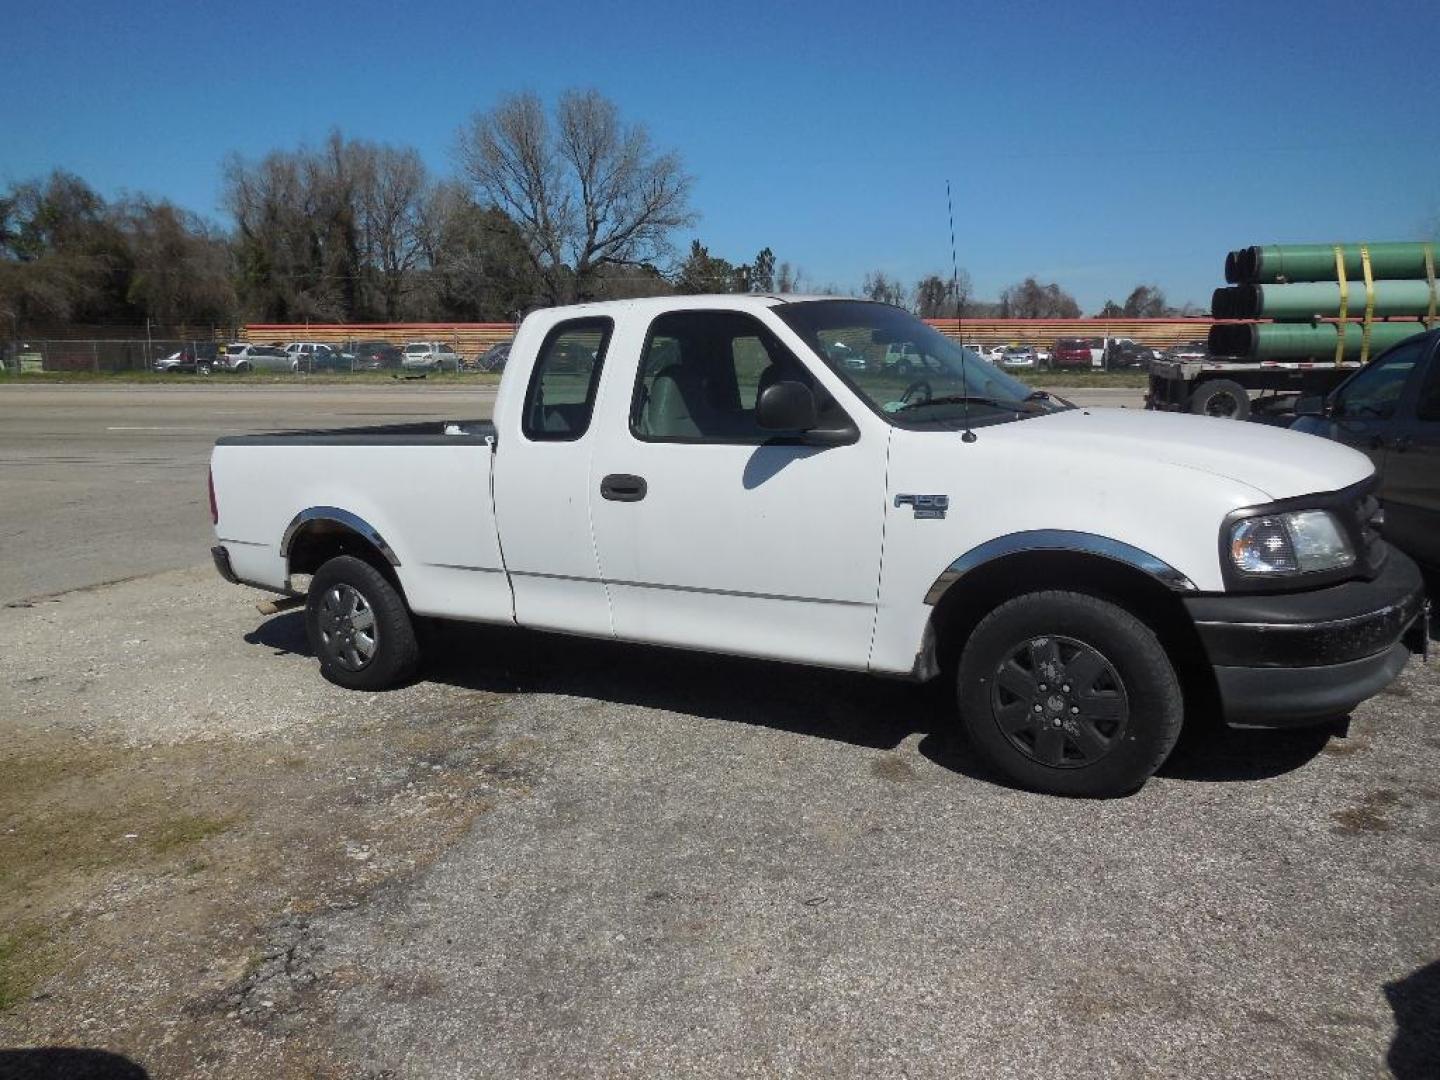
(1369, 302)
(1430, 279)
(1344, 304)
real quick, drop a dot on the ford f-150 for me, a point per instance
(700, 472)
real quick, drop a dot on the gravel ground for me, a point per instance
(555, 857)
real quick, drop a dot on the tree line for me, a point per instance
(545, 207)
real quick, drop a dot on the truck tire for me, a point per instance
(1069, 694)
(359, 626)
(1222, 398)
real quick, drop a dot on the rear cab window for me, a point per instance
(561, 396)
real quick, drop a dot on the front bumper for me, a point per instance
(1298, 658)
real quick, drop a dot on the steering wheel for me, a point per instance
(916, 389)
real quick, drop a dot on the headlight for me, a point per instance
(1295, 543)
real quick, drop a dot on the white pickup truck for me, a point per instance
(695, 472)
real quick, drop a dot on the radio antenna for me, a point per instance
(968, 435)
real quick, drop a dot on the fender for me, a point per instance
(1058, 540)
(353, 522)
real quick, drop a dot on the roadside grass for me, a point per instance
(82, 811)
(26, 957)
(1046, 380)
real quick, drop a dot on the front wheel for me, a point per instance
(359, 626)
(1069, 694)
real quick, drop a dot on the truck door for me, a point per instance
(542, 484)
(1411, 487)
(1363, 409)
(717, 534)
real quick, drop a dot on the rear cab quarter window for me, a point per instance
(560, 398)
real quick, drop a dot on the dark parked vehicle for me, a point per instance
(1390, 410)
(494, 358)
(1125, 353)
(378, 356)
(196, 358)
(1071, 352)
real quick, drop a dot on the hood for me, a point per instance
(1275, 461)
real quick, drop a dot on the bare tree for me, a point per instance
(586, 192)
(390, 189)
(882, 287)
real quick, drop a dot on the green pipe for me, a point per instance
(1318, 298)
(1275, 263)
(1304, 341)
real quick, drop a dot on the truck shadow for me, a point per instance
(858, 709)
(1415, 1001)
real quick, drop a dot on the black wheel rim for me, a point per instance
(1222, 405)
(348, 632)
(1060, 702)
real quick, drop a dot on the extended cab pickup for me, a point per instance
(696, 472)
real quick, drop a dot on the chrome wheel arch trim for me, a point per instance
(1058, 540)
(334, 514)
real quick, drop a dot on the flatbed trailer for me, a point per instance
(1237, 389)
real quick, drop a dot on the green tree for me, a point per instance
(1145, 302)
(702, 272)
(1029, 299)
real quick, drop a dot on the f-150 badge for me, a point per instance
(925, 506)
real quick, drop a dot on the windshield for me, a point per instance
(907, 371)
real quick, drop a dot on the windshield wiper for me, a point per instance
(1045, 395)
(965, 399)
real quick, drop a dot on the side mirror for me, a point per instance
(786, 406)
(1310, 405)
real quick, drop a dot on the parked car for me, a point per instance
(242, 357)
(1070, 353)
(377, 356)
(1189, 350)
(1390, 411)
(196, 358)
(430, 356)
(643, 497)
(1127, 353)
(332, 358)
(494, 358)
(1019, 356)
(841, 353)
(312, 356)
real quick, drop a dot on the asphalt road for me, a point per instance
(100, 483)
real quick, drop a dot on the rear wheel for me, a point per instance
(1069, 694)
(359, 626)
(1222, 398)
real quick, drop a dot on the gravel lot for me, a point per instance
(554, 857)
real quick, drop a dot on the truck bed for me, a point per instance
(424, 487)
(421, 433)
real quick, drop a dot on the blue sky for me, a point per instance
(1097, 145)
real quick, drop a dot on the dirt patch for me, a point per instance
(168, 888)
(1369, 816)
(893, 768)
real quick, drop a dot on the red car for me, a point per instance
(1071, 353)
